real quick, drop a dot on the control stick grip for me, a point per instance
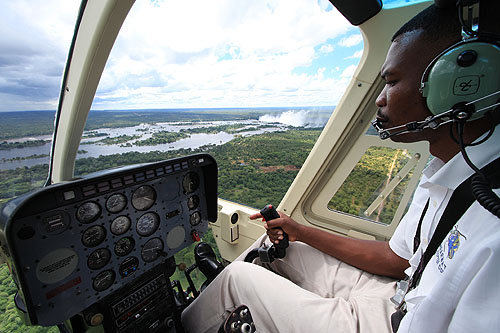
(269, 213)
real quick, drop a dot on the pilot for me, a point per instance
(331, 283)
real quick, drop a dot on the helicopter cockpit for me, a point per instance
(75, 252)
(95, 253)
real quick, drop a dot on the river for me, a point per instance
(91, 147)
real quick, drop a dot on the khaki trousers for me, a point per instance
(307, 291)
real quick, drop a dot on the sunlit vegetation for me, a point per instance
(25, 124)
(94, 134)
(30, 143)
(118, 139)
(231, 128)
(24, 158)
(21, 180)
(160, 138)
(9, 319)
(374, 171)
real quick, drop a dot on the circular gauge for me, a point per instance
(103, 280)
(143, 197)
(88, 212)
(116, 203)
(128, 266)
(147, 224)
(93, 236)
(152, 249)
(195, 218)
(190, 182)
(120, 225)
(124, 246)
(99, 258)
(193, 202)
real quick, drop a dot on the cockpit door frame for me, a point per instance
(96, 30)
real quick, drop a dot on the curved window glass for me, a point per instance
(183, 79)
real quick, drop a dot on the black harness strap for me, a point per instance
(460, 201)
(416, 239)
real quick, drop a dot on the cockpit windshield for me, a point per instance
(239, 80)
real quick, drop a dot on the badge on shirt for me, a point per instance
(454, 242)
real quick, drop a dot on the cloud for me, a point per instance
(33, 51)
(348, 72)
(186, 53)
(252, 51)
(326, 48)
(351, 40)
(357, 55)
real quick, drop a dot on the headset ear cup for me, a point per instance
(465, 72)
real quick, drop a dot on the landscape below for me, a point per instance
(254, 170)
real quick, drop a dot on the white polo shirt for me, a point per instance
(460, 288)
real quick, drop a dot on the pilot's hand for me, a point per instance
(286, 224)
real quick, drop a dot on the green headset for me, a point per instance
(463, 84)
(465, 76)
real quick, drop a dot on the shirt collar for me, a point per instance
(456, 170)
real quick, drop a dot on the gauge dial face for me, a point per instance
(144, 197)
(93, 236)
(128, 266)
(193, 202)
(116, 203)
(120, 225)
(124, 246)
(103, 280)
(147, 224)
(190, 182)
(195, 218)
(88, 212)
(99, 258)
(152, 249)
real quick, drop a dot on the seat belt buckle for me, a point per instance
(401, 290)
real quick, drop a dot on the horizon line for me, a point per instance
(190, 108)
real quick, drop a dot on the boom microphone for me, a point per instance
(460, 112)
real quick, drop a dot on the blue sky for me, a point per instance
(185, 53)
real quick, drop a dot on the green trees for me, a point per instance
(159, 138)
(9, 319)
(370, 176)
(21, 180)
(258, 170)
(12, 145)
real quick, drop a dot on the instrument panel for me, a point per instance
(72, 245)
